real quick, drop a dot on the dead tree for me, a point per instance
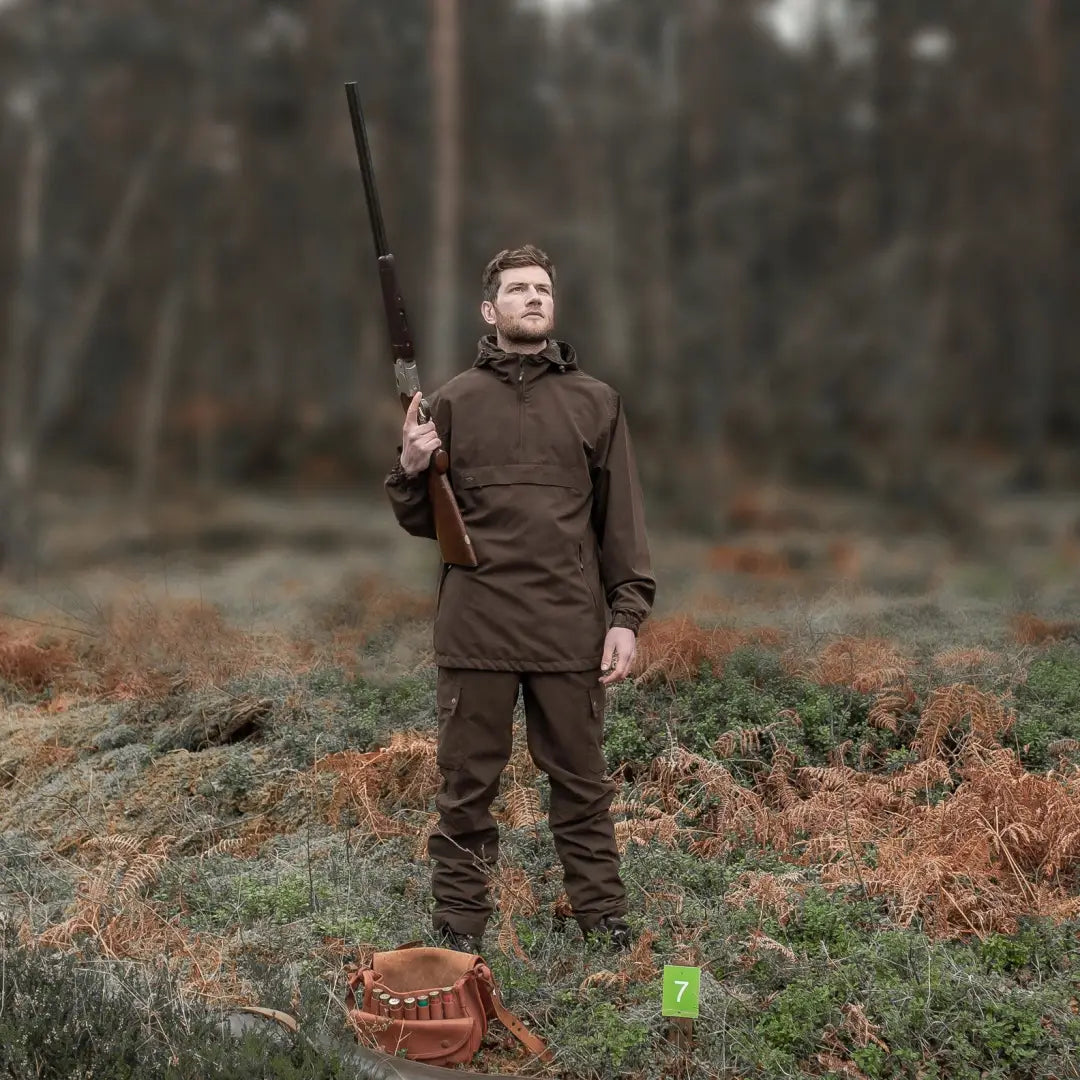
(1041, 289)
(152, 415)
(17, 448)
(446, 189)
(65, 348)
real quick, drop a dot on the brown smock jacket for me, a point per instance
(543, 470)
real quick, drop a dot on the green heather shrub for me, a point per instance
(791, 1028)
(1038, 950)
(1047, 706)
(222, 901)
(281, 901)
(630, 738)
(350, 928)
(753, 691)
(60, 1020)
(57, 1020)
(597, 1039)
(926, 1002)
(829, 924)
(338, 714)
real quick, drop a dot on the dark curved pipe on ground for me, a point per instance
(369, 1064)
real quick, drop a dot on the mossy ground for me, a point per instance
(146, 884)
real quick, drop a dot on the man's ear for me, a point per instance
(487, 309)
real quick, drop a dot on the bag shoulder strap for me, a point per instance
(514, 1024)
(533, 1043)
(284, 1019)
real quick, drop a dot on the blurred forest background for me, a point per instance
(818, 243)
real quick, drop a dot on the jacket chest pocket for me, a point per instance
(534, 512)
(523, 473)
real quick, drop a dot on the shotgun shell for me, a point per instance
(450, 1008)
(435, 1005)
(384, 1004)
(423, 1007)
(395, 1008)
(409, 1008)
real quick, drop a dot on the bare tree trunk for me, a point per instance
(209, 355)
(888, 95)
(212, 163)
(446, 194)
(907, 315)
(65, 348)
(705, 361)
(1041, 290)
(660, 288)
(151, 417)
(18, 541)
(330, 347)
(597, 208)
(271, 366)
(606, 259)
(904, 261)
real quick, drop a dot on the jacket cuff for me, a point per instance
(626, 619)
(398, 477)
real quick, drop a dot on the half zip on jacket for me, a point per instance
(521, 410)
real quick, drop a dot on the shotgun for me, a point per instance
(454, 542)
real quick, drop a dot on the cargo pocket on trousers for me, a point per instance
(450, 750)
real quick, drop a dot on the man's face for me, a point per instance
(523, 310)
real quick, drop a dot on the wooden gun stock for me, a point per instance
(454, 542)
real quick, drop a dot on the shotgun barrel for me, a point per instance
(454, 543)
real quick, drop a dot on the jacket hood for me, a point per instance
(557, 353)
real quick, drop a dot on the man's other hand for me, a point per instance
(418, 441)
(620, 645)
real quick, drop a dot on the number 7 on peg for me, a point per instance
(682, 990)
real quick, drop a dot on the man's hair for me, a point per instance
(508, 258)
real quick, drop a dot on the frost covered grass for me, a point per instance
(871, 846)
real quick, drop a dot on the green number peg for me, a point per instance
(682, 990)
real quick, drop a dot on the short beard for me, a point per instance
(519, 332)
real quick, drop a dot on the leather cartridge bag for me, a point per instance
(432, 1004)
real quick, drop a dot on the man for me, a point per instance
(543, 470)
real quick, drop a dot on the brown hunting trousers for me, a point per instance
(564, 718)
